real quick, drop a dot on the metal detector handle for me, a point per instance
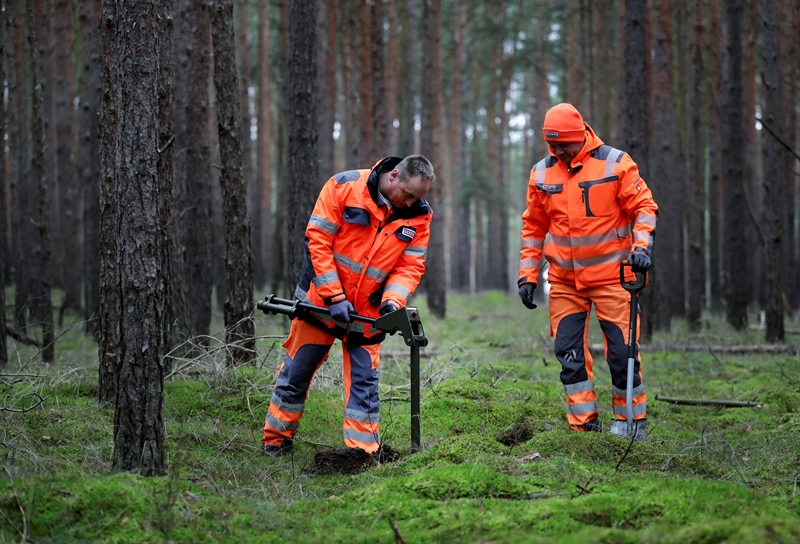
(633, 287)
(293, 308)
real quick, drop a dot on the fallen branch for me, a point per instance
(597, 349)
(20, 336)
(710, 402)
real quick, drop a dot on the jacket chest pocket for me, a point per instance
(599, 196)
(356, 216)
(553, 196)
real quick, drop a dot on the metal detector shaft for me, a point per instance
(633, 288)
(406, 321)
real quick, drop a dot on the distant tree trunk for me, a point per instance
(243, 63)
(751, 155)
(134, 288)
(636, 118)
(431, 144)
(715, 89)
(285, 279)
(773, 228)
(459, 225)
(239, 327)
(695, 272)
(67, 181)
(735, 244)
(683, 37)
(303, 165)
(328, 93)
(353, 156)
(44, 304)
(407, 123)
(497, 220)
(23, 190)
(368, 149)
(788, 21)
(665, 162)
(378, 79)
(198, 187)
(3, 229)
(263, 230)
(394, 74)
(89, 160)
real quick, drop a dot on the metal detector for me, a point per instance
(634, 288)
(406, 321)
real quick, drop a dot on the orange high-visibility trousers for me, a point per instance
(306, 349)
(569, 319)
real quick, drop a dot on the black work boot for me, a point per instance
(593, 426)
(271, 450)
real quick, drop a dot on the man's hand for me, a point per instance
(639, 261)
(526, 291)
(340, 311)
(388, 307)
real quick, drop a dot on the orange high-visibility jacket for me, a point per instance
(587, 210)
(355, 246)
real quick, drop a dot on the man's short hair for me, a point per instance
(414, 165)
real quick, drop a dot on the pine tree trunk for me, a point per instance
(736, 250)
(263, 230)
(432, 145)
(137, 42)
(773, 228)
(239, 327)
(3, 233)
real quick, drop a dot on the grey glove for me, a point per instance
(639, 261)
(341, 310)
(526, 291)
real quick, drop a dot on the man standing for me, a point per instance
(586, 195)
(366, 241)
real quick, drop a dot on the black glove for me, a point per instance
(388, 307)
(639, 261)
(526, 291)
(340, 311)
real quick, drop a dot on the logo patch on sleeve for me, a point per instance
(406, 234)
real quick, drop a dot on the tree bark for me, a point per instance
(263, 230)
(239, 327)
(774, 183)
(735, 243)
(302, 106)
(394, 61)
(411, 61)
(431, 135)
(695, 182)
(3, 229)
(378, 79)
(636, 119)
(44, 304)
(89, 160)
(134, 285)
(328, 93)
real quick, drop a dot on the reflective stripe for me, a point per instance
(300, 294)
(321, 223)
(347, 262)
(639, 236)
(416, 251)
(577, 264)
(535, 243)
(611, 161)
(592, 239)
(529, 263)
(376, 273)
(580, 387)
(281, 425)
(286, 406)
(584, 408)
(645, 219)
(396, 287)
(361, 417)
(326, 279)
(638, 390)
(539, 171)
(366, 438)
(638, 410)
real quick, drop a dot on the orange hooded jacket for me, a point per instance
(587, 210)
(355, 246)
